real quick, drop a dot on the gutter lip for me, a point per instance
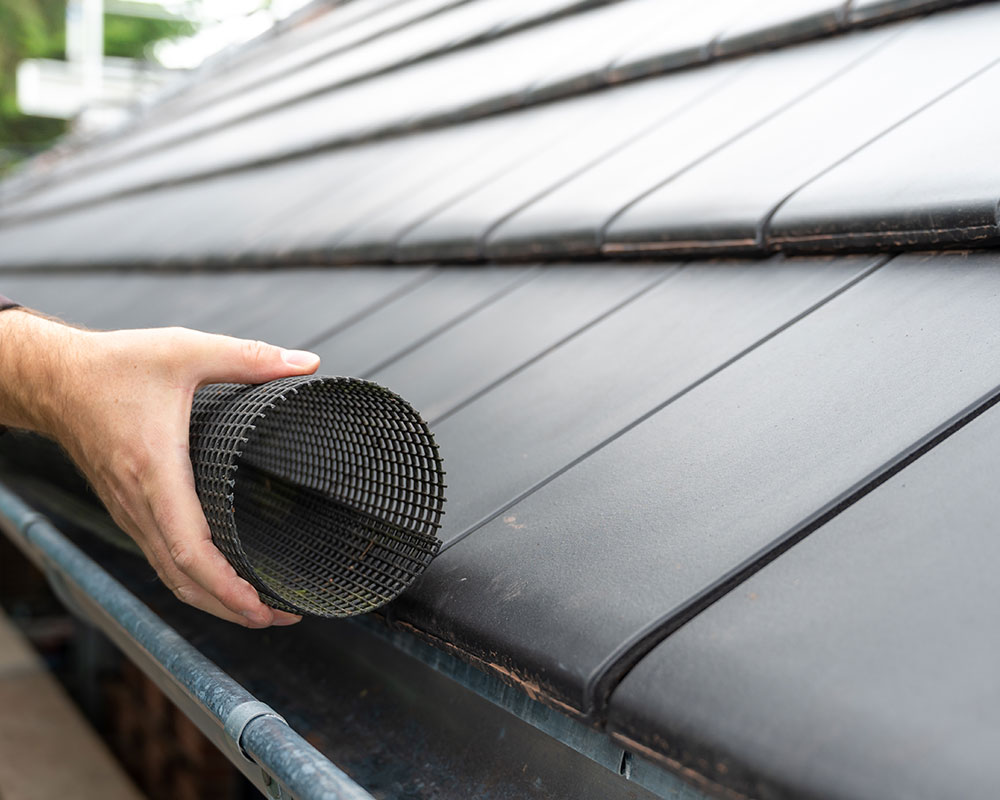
(254, 737)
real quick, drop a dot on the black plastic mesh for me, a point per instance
(325, 493)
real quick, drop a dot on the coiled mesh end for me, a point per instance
(324, 493)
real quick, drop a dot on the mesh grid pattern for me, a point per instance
(324, 493)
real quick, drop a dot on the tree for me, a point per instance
(37, 29)
(28, 29)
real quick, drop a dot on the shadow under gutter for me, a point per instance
(277, 760)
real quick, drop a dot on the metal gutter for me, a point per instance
(591, 742)
(279, 762)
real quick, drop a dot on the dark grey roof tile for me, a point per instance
(510, 333)
(572, 217)
(298, 306)
(461, 84)
(217, 97)
(558, 408)
(724, 202)
(566, 583)
(408, 319)
(686, 41)
(861, 663)
(608, 121)
(435, 169)
(286, 307)
(611, 31)
(430, 34)
(932, 180)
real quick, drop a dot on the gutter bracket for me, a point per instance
(241, 716)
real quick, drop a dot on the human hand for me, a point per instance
(119, 402)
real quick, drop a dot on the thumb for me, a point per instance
(230, 360)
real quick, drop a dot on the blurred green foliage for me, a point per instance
(37, 29)
(28, 29)
(130, 37)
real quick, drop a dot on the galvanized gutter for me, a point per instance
(279, 762)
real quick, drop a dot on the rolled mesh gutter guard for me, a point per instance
(255, 738)
(324, 493)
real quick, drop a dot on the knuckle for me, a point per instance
(229, 600)
(233, 595)
(183, 555)
(138, 465)
(255, 353)
(186, 593)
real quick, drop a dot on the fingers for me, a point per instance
(182, 587)
(178, 516)
(188, 592)
(197, 568)
(223, 359)
(201, 562)
(210, 579)
(186, 589)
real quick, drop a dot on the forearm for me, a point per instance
(38, 357)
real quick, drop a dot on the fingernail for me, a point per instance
(300, 358)
(286, 620)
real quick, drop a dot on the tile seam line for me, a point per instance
(600, 317)
(629, 656)
(876, 263)
(529, 273)
(835, 75)
(763, 228)
(423, 276)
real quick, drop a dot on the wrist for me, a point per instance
(38, 356)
